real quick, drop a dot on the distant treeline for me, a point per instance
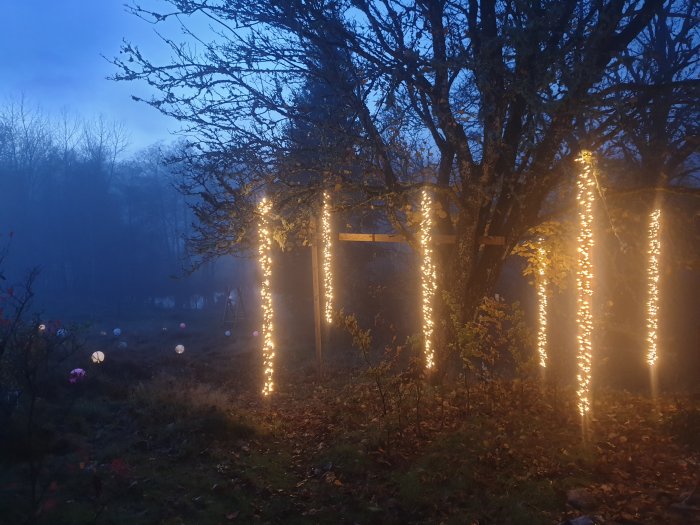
(105, 231)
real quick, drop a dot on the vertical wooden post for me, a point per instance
(315, 268)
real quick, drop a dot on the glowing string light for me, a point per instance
(428, 277)
(265, 258)
(584, 279)
(326, 235)
(653, 280)
(542, 306)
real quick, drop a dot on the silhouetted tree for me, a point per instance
(103, 229)
(486, 102)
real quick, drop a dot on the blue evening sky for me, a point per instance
(51, 54)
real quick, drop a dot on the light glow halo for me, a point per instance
(584, 279)
(327, 237)
(653, 282)
(428, 277)
(265, 260)
(542, 305)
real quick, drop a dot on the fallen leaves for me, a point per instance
(324, 451)
(634, 470)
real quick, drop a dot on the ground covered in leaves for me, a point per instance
(151, 436)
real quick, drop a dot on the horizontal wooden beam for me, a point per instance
(491, 240)
(371, 237)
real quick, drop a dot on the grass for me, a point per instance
(186, 442)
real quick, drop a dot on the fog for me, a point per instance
(105, 231)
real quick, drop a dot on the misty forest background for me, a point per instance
(108, 230)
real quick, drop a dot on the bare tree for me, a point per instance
(487, 103)
(654, 96)
(103, 142)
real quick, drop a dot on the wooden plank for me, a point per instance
(489, 240)
(444, 238)
(371, 237)
(493, 240)
(316, 277)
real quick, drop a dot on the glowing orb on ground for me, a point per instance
(256, 333)
(97, 357)
(61, 332)
(165, 329)
(103, 332)
(77, 374)
(183, 326)
(122, 345)
(42, 328)
(179, 349)
(117, 332)
(227, 333)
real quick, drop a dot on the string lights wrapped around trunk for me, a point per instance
(586, 188)
(653, 280)
(265, 258)
(542, 305)
(584, 279)
(428, 277)
(327, 237)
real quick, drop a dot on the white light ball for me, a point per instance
(183, 326)
(256, 333)
(227, 333)
(42, 328)
(97, 357)
(179, 349)
(117, 332)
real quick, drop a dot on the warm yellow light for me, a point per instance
(542, 306)
(265, 258)
(653, 279)
(326, 234)
(584, 279)
(428, 277)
